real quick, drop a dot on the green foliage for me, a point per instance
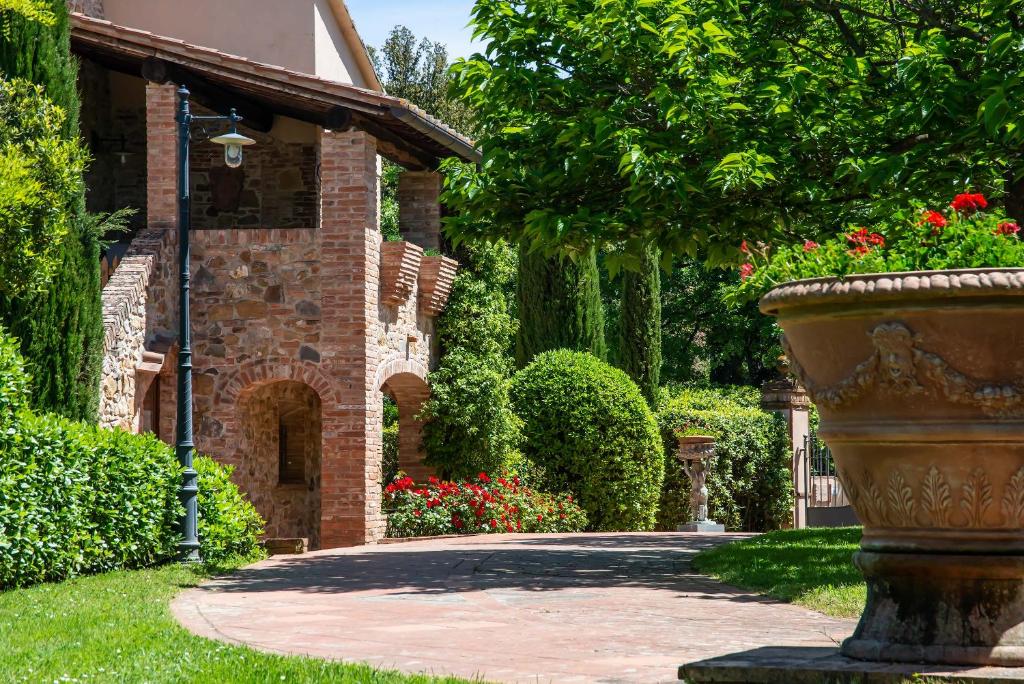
(389, 442)
(481, 505)
(229, 526)
(707, 339)
(750, 485)
(704, 123)
(813, 568)
(639, 348)
(588, 428)
(61, 328)
(77, 499)
(559, 305)
(417, 70)
(917, 239)
(40, 186)
(33, 10)
(14, 382)
(470, 424)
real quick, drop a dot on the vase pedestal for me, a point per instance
(706, 526)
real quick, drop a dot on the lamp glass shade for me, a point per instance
(233, 144)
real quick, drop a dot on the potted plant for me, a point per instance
(908, 336)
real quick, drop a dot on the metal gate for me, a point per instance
(827, 502)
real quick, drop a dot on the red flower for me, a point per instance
(417, 513)
(746, 270)
(810, 245)
(744, 248)
(508, 527)
(433, 480)
(969, 202)
(858, 237)
(1007, 228)
(483, 477)
(494, 523)
(935, 218)
(876, 239)
(539, 517)
(859, 250)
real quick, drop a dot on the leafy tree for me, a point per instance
(708, 340)
(470, 425)
(417, 70)
(559, 304)
(61, 328)
(639, 348)
(698, 123)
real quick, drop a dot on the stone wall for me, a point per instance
(274, 188)
(291, 509)
(125, 299)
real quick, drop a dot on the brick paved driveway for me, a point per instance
(510, 608)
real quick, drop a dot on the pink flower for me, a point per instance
(746, 270)
(744, 248)
(1007, 228)
(810, 245)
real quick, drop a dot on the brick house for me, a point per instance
(302, 316)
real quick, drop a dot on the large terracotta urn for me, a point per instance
(919, 380)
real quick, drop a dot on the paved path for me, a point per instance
(509, 608)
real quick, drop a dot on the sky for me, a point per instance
(442, 21)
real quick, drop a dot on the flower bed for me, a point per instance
(487, 505)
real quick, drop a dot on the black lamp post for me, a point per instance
(184, 448)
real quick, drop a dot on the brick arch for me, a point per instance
(406, 382)
(256, 372)
(401, 366)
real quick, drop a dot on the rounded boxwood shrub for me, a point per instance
(229, 526)
(750, 487)
(588, 429)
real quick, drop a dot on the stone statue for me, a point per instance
(695, 454)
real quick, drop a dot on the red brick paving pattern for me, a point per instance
(509, 608)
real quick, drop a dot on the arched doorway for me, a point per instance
(280, 457)
(409, 392)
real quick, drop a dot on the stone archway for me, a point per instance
(409, 391)
(281, 447)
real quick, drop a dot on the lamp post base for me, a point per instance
(706, 526)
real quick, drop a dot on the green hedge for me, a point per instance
(750, 488)
(229, 526)
(77, 499)
(589, 430)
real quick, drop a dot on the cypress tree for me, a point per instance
(61, 329)
(559, 304)
(639, 349)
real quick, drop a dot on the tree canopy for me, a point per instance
(694, 124)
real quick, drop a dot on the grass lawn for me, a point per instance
(811, 567)
(117, 627)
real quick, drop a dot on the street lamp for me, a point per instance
(188, 547)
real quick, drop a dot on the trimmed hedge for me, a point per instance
(750, 488)
(588, 429)
(76, 499)
(229, 526)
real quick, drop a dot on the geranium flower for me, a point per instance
(969, 203)
(746, 270)
(935, 218)
(483, 477)
(810, 245)
(1008, 228)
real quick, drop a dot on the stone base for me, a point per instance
(707, 526)
(286, 546)
(941, 608)
(818, 665)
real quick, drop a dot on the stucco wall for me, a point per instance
(302, 35)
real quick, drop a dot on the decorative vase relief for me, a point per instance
(898, 366)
